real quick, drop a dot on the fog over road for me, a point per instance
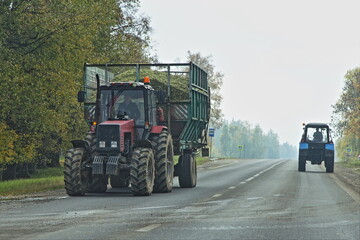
(234, 199)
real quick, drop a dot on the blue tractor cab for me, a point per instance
(316, 146)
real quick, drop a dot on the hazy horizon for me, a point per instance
(284, 61)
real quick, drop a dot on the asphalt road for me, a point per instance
(234, 199)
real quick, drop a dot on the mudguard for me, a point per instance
(81, 144)
(157, 129)
(143, 143)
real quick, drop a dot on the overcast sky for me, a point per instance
(284, 60)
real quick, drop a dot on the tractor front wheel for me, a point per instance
(75, 176)
(142, 172)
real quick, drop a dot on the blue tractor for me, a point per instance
(316, 146)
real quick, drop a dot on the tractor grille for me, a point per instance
(110, 135)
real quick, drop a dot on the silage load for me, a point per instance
(179, 84)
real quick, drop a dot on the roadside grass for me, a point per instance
(199, 160)
(355, 165)
(44, 180)
(49, 179)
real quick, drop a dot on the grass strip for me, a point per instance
(354, 165)
(49, 179)
(24, 186)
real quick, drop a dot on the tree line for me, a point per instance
(43, 46)
(239, 139)
(346, 118)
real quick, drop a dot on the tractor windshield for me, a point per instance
(122, 104)
(317, 134)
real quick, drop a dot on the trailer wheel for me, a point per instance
(329, 165)
(119, 181)
(142, 172)
(75, 177)
(187, 171)
(98, 183)
(164, 162)
(301, 164)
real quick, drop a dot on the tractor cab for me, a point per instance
(128, 102)
(316, 133)
(126, 111)
(316, 146)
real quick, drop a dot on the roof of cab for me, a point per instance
(317, 125)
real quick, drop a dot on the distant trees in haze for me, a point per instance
(239, 139)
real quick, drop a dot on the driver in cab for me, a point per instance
(128, 107)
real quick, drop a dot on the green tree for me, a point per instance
(43, 47)
(346, 116)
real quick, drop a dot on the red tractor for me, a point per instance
(131, 137)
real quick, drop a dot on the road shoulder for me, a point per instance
(349, 180)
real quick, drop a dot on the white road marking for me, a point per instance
(249, 179)
(148, 228)
(216, 195)
(155, 207)
(254, 198)
(258, 174)
(231, 187)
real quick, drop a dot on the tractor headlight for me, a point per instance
(113, 144)
(102, 144)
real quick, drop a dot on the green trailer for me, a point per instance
(170, 115)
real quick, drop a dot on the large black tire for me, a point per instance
(119, 181)
(329, 165)
(301, 164)
(187, 171)
(142, 172)
(164, 162)
(97, 183)
(75, 177)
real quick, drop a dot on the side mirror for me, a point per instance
(81, 96)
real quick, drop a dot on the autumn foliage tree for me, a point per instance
(346, 116)
(43, 47)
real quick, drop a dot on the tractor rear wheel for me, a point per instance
(187, 171)
(164, 162)
(329, 165)
(301, 164)
(142, 172)
(75, 176)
